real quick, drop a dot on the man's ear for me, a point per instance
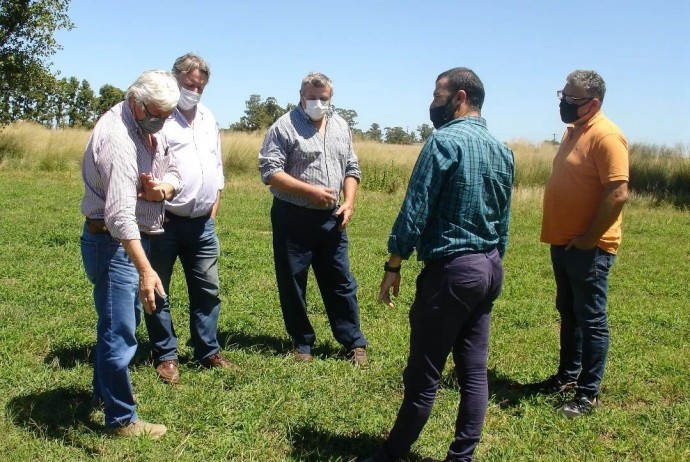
(596, 104)
(460, 97)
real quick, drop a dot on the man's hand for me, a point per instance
(321, 197)
(153, 190)
(579, 242)
(389, 280)
(346, 210)
(150, 285)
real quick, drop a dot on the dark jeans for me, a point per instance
(195, 242)
(451, 312)
(581, 290)
(302, 238)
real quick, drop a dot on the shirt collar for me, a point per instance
(477, 120)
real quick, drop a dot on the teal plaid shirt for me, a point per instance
(458, 198)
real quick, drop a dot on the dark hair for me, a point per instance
(591, 82)
(462, 78)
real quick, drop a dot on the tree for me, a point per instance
(108, 96)
(258, 115)
(26, 43)
(425, 131)
(396, 135)
(374, 133)
(85, 102)
(349, 115)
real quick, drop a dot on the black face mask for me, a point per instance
(441, 115)
(568, 112)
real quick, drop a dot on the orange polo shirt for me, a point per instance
(590, 156)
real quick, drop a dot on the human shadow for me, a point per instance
(504, 391)
(316, 445)
(57, 415)
(66, 354)
(269, 345)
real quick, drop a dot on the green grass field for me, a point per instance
(277, 410)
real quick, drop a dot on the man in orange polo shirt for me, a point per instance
(583, 201)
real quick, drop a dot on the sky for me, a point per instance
(383, 56)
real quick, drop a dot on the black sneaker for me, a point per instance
(579, 406)
(552, 385)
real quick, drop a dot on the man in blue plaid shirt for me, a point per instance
(455, 214)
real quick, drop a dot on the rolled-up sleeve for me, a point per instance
(172, 173)
(118, 167)
(219, 154)
(352, 166)
(272, 156)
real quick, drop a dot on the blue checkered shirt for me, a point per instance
(458, 198)
(294, 146)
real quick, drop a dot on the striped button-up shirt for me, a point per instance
(115, 156)
(458, 199)
(294, 146)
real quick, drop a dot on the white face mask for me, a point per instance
(188, 99)
(316, 109)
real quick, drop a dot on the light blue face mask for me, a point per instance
(150, 124)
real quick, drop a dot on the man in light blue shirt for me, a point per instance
(190, 228)
(308, 161)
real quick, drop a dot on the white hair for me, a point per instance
(158, 87)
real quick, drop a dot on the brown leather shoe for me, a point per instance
(217, 360)
(359, 357)
(168, 371)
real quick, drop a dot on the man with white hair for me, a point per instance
(190, 226)
(128, 174)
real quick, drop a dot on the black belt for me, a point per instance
(171, 216)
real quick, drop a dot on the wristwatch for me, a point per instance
(391, 269)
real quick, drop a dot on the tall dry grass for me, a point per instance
(660, 171)
(30, 146)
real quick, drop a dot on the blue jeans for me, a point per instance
(451, 312)
(302, 238)
(581, 291)
(115, 293)
(195, 242)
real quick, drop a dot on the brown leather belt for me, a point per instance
(96, 226)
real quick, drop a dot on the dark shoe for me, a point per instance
(359, 357)
(579, 406)
(302, 357)
(168, 371)
(378, 457)
(97, 403)
(217, 360)
(552, 385)
(138, 428)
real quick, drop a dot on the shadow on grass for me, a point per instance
(272, 346)
(316, 445)
(504, 391)
(62, 414)
(68, 355)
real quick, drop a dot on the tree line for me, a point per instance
(259, 115)
(30, 91)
